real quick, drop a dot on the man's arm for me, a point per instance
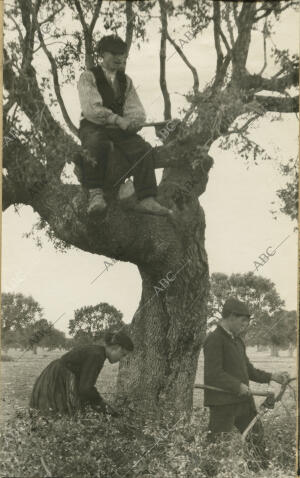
(90, 370)
(133, 108)
(256, 375)
(214, 373)
(91, 102)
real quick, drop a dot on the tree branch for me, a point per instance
(56, 81)
(87, 32)
(26, 9)
(228, 8)
(162, 78)
(95, 16)
(279, 104)
(186, 61)
(130, 24)
(222, 63)
(269, 11)
(220, 56)
(259, 83)
(241, 47)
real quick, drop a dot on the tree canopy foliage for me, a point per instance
(270, 324)
(90, 321)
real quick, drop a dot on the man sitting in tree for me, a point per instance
(112, 114)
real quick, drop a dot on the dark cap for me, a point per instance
(235, 306)
(112, 44)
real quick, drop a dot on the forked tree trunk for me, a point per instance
(168, 330)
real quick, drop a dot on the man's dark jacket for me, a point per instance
(226, 366)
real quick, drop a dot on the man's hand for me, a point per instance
(134, 126)
(244, 390)
(123, 123)
(280, 377)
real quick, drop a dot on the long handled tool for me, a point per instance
(268, 403)
(216, 389)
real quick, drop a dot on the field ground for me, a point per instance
(18, 376)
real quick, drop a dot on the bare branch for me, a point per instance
(81, 16)
(228, 9)
(55, 80)
(222, 63)
(241, 47)
(265, 33)
(26, 9)
(95, 16)
(217, 20)
(52, 16)
(163, 41)
(186, 61)
(88, 42)
(130, 24)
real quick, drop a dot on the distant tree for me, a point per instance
(262, 298)
(33, 334)
(18, 311)
(92, 320)
(55, 339)
(43, 334)
(11, 339)
(283, 336)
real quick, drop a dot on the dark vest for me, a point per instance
(109, 98)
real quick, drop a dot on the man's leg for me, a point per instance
(221, 422)
(98, 148)
(255, 438)
(139, 157)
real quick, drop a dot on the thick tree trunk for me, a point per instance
(168, 330)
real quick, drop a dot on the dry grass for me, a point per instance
(181, 449)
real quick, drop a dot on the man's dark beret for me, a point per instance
(112, 44)
(235, 306)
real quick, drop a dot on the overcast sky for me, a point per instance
(237, 203)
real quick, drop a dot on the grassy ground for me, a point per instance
(18, 377)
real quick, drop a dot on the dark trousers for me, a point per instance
(223, 418)
(112, 155)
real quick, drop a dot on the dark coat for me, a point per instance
(226, 366)
(86, 362)
(110, 101)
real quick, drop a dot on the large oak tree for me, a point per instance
(169, 325)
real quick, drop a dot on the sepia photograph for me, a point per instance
(149, 239)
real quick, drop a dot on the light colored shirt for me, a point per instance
(92, 104)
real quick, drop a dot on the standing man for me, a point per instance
(112, 114)
(227, 366)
